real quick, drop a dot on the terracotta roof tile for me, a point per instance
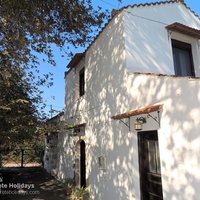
(76, 59)
(158, 3)
(152, 4)
(138, 111)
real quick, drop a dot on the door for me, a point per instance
(82, 165)
(149, 163)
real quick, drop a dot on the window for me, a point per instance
(182, 55)
(154, 158)
(82, 82)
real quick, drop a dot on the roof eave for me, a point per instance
(139, 111)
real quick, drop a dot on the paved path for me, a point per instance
(42, 185)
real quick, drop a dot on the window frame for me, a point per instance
(82, 82)
(187, 47)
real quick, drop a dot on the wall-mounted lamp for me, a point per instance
(102, 163)
(139, 122)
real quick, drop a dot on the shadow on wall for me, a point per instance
(107, 94)
(179, 138)
(65, 156)
(179, 133)
(110, 90)
(117, 91)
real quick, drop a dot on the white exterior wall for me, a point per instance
(64, 167)
(73, 103)
(111, 89)
(104, 77)
(148, 43)
(179, 139)
(105, 95)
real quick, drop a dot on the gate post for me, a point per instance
(22, 157)
(0, 159)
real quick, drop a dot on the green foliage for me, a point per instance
(80, 194)
(28, 29)
(69, 182)
(19, 118)
(34, 25)
(18, 114)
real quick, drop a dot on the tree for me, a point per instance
(33, 25)
(27, 29)
(18, 114)
(19, 120)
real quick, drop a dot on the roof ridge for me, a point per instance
(156, 3)
(153, 3)
(115, 12)
(189, 8)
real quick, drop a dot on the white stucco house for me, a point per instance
(133, 105)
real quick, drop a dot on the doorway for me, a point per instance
(82, 165)
(149, 164)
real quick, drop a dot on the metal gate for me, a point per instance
(24, 157)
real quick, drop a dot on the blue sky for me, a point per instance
(55, 95)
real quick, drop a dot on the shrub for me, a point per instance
(80, 194)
